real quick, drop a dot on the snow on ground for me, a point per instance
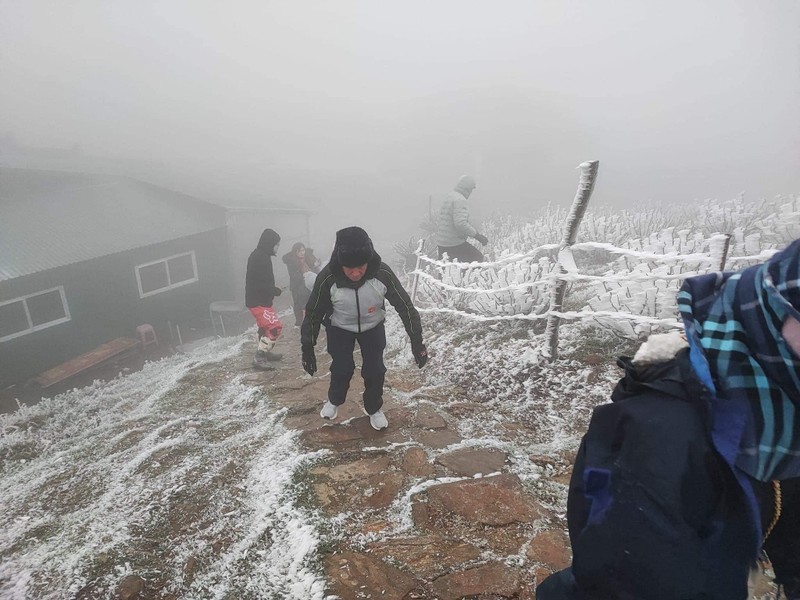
(125, 468)
(143, 474)
(185, 461)
(498, 366)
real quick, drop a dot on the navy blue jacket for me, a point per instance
(654, 513)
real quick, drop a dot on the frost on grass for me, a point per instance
(142, 474)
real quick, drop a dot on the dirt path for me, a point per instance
(419, 510)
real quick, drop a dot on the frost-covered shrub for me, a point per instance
(517, 287)
(641, 258)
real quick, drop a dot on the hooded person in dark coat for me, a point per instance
(349, 299)
(694, 468)
(260, 291)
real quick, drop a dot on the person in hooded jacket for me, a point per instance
(297, 267)
(693, 471)
(454, 227)
(260, 291)
(349, 299)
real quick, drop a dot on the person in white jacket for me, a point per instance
(455, 227)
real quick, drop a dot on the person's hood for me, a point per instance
(733, 323)
(465, 185)
(652, 367)
(353, 248)
(269, 239)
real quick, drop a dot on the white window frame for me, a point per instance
(31, 327)
(170, 286)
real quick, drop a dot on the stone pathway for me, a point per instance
(415, 521)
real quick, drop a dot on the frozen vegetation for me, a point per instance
(189, 456)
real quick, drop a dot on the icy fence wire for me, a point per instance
(629, 290)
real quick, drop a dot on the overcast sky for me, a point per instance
(678, 100)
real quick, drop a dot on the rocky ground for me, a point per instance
(194, 479)
(417, 511)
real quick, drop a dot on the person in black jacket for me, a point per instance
(297, 267)
(349, 299)
(694, 468)
(260, 290)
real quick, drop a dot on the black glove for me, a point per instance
(309, 360)
(420, 353)
(481, 238)
(277, 291)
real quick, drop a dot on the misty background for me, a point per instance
(361, 111)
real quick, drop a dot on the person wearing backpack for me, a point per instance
(349, 299)
(693, 470)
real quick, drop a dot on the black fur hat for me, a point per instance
(353, 247)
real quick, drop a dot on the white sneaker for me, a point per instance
(329, 411)
(378, 420)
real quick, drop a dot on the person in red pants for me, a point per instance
(260, 291)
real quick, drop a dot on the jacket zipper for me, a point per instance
(358, 310)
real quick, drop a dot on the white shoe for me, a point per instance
(378, 420)
(329, 411)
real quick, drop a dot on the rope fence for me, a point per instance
(634, 296)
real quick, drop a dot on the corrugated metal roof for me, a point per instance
(52, 218)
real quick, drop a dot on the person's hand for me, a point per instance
(482, 238)
(420, 353)
(309, 360)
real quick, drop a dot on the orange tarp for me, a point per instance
(86, 361)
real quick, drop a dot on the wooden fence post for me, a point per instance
(579, 204)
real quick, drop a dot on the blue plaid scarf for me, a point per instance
(733, 323)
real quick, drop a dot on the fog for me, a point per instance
(362, 110)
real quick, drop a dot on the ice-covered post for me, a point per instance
(415, 282)
(721, 244)
(579, 204)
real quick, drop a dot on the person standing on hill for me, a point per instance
(693, 469)
(455, 227)
(312, 261)
(310, 276)
(349, 299)
(260, 290)
(297, 267)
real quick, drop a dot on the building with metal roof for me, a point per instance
(86, 258)
(49, 219)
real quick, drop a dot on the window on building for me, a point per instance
(33, 312)
(166, 274)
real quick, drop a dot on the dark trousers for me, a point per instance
(341, 344)
(300, 296)
(783, 544)
(465, 252)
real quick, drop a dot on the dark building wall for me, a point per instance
(104, 302)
